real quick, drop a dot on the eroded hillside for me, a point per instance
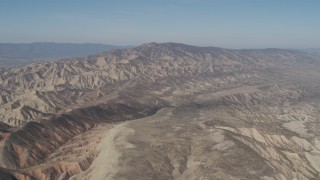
(196, 113)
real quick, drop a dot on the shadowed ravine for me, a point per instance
(164, 111)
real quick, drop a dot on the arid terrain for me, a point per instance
(163, 111)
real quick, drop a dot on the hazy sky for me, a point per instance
(224, 23)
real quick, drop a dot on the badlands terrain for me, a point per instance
(163, 111)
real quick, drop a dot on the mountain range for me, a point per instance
(16, 54)
(312, 50)
(163, 111)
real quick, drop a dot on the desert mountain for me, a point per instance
(164, 111)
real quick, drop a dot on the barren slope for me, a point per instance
(197, 113)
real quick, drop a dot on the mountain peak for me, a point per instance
(151, 44)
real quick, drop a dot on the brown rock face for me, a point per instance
(207, 113)
(34, 141)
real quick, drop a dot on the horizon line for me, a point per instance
(121, 45)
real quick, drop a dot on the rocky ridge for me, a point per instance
(197, 110)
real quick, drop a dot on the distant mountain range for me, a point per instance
(25, 53)
(312, 50)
